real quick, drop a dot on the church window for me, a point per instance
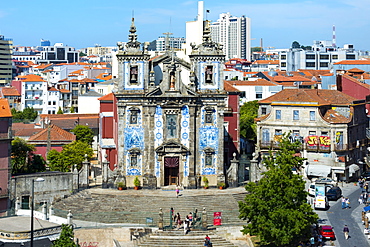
(209, 115)
(209, 74)
(133, 160)
(208, 161)
(134, 116)
(133, 74)
(171, 126)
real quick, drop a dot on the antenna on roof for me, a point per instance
(133, 14)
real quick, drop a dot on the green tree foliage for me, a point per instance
(23, 158)
(66, 237)
(27, 115)
(248, 112)
(296, 44)
(73, 153)
(72, 109)
(60, 110)
(256, 49)
(276, 207)
(83, 133)
(82, 54)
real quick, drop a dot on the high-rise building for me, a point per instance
(174, 43)
(234, 33)
(6, 46)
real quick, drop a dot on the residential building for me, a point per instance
(264, 65)
(58, 53)
(13, 97)
(331, 126)
(51, 137)
(238, 64)
(88, 102)
(5, 154)
(322, 57)
(172, 42)
(234, 34)
(6, 61)
(34, 92)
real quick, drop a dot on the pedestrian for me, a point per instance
(361, 199)
(178, 221)
(190, 217)
(346, 232)
(365, 197)
(366, 186)
(207, 241)
(312, 241)
(343, 202)
(347, 203)
(172, 216)
(177, 191)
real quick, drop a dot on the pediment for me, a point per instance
(171, 146)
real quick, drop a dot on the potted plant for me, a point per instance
(136, 183)
(121, 186)
(205, 181)
(221, 185)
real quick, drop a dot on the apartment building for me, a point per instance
(5, 61)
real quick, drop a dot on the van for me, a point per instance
(334, 193)
(321, 202)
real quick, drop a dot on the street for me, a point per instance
(338, 217)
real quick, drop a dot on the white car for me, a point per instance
(311, 190)
(326, 181)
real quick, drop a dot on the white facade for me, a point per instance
(59, 53)
(194, 29)
(174, 43)
(52, 102)
(234, 33)
(89, 103)
(322, 57)
(34, 94)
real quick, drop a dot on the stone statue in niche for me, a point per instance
(133, 74)
(209, 74)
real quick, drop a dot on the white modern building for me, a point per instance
(174, 43)
(234, 33)
(322, 56)
(58, 53)
(194, 29)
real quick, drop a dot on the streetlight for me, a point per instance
(32, 202)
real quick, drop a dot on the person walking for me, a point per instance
(346, 232)
(347, 203)
(343, 202)
(178, 221)
(186, 224)
(177, 191)
(207, 241)
(312, 241)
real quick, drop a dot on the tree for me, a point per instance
(256, 49)
(27, 115)
(248, 112)
(296, 45)
(276, 207)
(81, 54)
(23, 158)
(66, 237)
(72, 109)
(83, 133)
(60, 110)
(72, 154)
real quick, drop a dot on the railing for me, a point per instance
(313, 148)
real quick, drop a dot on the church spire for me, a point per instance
(132, 37)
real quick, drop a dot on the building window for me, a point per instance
(324, 64)
(283, 57)
(324, 133)
(322, 56)
(171, 126)
(133, 116)
(295, 114)
(310, 64)
(54, 103)
(258, 95)
(310, 56)
(278, 114)
(265, 135)
(133, 160)
(312, 133)
(312, 116)
(263, 110)
(350, 56)
(209, 74)
(133, 74)
(283, 64)
(25, 204)
(208, 160)
(334, 56)
(49, 102)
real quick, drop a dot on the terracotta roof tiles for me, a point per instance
(4, 108)
(107, 97)
(10, 91)
(56, 134)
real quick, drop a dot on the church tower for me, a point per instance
(170, 115)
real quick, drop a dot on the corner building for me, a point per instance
(169, 112)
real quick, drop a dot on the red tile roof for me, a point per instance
(229, 88)
(307, 96)
(107, 97)
(258, 82)
(4, 108)
(349, 62)
(32, 77)
(274, 62)
(56, 134)
(10, 91)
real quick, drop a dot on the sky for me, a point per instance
(85, 23)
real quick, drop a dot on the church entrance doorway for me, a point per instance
(171, 170)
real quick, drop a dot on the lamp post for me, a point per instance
(32, 203)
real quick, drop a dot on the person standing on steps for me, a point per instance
(186, 224)
(177, 191)
(346, 232)
(207, 241)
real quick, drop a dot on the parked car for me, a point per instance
(327, 232)
(366, 175)
(334, 193)
(326, 181)
(321, 202)
(312, 189)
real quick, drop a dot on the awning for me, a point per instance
(352, 169)
(318, 170)
(367, 208)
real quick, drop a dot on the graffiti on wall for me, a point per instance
(318, 140)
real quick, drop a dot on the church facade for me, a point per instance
(169, 115)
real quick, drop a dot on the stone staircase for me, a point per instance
(130, 207)
(178, 239)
